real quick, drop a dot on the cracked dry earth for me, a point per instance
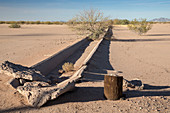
(144, 57)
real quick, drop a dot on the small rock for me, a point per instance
(127, 99)
(157, 110)
(22, 81)
(164, 98)
(120, 110)
(122, 98)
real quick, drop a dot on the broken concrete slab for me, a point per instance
(19, 71)
(38, 93)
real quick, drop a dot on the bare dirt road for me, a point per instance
(144, 57)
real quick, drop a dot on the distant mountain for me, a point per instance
(161, 20)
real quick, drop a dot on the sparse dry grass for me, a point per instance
(68, 66)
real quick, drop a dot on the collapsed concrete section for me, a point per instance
(21, 72)
(36, 87)
(38, 93)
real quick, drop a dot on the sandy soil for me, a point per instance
(144, 57)
(31, 44)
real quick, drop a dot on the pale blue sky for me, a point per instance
(63, 10)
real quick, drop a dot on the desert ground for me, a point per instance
(144, 57)
(31, 44)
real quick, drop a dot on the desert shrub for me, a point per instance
(10, 22)
(68, 66)
(2, 22)
(58, 23)
(42, 22)
(110, 22)
(27, 22)
(125, 22)
(32, 22)
(21, 22)
(48, 22)
(72, 22)
(13, 22)
(15, 25)
(116, 21)
(90, 22)
(94, 36)
(151, 22)
(140, 27)
(7, 22)
(121, 22)
(37, 22)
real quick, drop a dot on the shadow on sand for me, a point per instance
(15, 109)
(158, 35)
(81, 94)
(99, 63)
(141, 40)
(149, 90)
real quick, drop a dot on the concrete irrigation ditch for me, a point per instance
(41, 83)
(34, 82)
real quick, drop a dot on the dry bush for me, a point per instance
(90, 21)
(38, 22)
(68, 66)
(15, 25)
(2, 22)
(121, 21)
(140, 27)
(32, 22)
